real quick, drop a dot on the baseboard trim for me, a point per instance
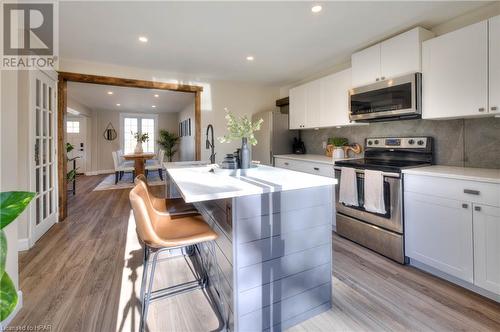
(473, 288)
(23, 244)
(6, 321)
(104, 171)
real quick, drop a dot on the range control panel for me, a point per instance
(397, 142)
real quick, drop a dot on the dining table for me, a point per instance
(139, 160)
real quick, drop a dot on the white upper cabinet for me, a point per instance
(394, 57)
(321, 103)
(403, 54)
(366, 66)
(313, 104)
(455, 73)
(487, 247)
(494, 65)
(335, 99)
(297, 109)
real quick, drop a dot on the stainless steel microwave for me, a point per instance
(392, 99)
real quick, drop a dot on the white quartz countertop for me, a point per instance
(196, 183)
(461, 173)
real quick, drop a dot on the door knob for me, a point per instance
(494, 108)
(465, 206)
(481, 109)
(382, 78)
(477, 208)
(377, 79)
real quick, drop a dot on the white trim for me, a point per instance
(455, 280)
(103, 171)
(23, 244)
(19, 305)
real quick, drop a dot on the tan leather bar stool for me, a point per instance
(174, 206)
(159, 232)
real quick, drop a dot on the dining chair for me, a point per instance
(156, 164)
(120, 168)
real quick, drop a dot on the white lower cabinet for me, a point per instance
(487, 247)
(453, 226)
(439, 234)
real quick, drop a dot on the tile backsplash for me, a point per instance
(470, 142)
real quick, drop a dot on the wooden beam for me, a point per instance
(108, 80)
(64, 77)
(61, 148)
(197, 124)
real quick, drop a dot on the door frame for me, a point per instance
(34, 231)
(62, 103)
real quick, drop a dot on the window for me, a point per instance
(141, 123)
(73, 127)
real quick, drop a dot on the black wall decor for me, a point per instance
(110, 133)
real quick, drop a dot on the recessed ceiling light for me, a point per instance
(250, 58)
(110, 92)
(156, 96)
(143, 39)
(316, 8)
(153, 106)
(118, 104)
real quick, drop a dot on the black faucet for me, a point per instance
(210, 143)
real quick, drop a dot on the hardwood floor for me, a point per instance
(84, 275)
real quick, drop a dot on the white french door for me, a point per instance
(138, 123)
(43, 169)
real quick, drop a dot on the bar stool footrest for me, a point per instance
(178, 289)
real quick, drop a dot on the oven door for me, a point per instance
(392, 220)
(395, 98)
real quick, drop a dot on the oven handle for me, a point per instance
(360, 171)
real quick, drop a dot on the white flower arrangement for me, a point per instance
(240, 127)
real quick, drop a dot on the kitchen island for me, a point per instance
(274, 252)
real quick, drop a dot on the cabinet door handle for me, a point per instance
(465, 206)
(316, 168)
(477, 208)
(481, 109)
(471, 192)
(494, 108)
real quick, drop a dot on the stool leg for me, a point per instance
(144, 274)
(147, 295)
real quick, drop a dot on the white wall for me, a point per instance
(186, 148)
(9, 159)
(241, 98)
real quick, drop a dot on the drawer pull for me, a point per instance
(286, 164)
(465, 206)
(471, 192)
(316, 168)
(477, 208)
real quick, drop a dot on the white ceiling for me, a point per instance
(211, 40)
(133, 100)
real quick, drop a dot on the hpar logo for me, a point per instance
(30, 35)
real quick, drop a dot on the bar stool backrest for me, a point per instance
(144, 214)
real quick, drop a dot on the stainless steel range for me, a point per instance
(383, 233)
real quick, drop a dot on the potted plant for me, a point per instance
(338, 146)
(241, 128)
(168, 141)
(12, 204)
(140, 138)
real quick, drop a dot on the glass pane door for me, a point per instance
(44, 160)
(148, 126)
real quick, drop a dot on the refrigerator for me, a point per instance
(273, 138)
